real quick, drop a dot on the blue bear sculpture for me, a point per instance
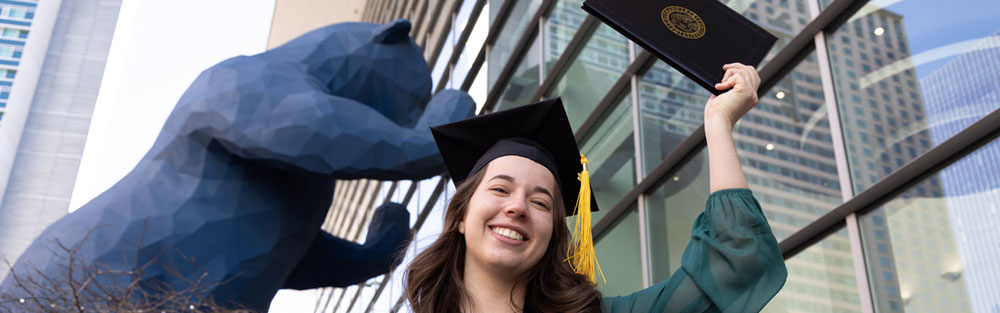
(235, 188)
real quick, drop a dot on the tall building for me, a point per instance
(845, 113)
(954, 101)
(52, 56)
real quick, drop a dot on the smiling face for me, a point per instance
(509, 220)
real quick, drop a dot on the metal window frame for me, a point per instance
(517, 55)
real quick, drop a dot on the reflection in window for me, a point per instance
(524, 83)
(475, 43)
(670, 213)
(560, 27)
(820, 279)
(610, 154)
(784, 145)
(592, 74)
(671, 107)
(10, 52)
(937, 251)
(509, 35)
(12, 33)
(913, 78)
(618, 254)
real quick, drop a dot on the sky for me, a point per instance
(158, 49)
(953, 25)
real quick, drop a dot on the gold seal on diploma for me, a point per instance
(683, 22)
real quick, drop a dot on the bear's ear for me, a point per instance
(396, 31)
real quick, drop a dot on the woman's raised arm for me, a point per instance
(721, 114)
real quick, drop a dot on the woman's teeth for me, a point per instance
(507, 232)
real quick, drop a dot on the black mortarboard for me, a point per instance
(538, 131)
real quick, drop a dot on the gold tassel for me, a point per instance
(582, 258)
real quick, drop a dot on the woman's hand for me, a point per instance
(721, 114)
(724, 110)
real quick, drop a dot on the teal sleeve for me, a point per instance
(732, 264)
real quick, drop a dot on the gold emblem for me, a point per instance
(683, 22)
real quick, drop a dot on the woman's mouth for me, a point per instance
(507, 233)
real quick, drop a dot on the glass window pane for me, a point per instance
(510, 34)
(610, 154)
(784, 145)
(907, 79)
(671, 105)
(592, 73)
(618, 254)
(524, 83)
(820, 279)
(476, 40)
(670, 213)
(458, 25)
(560, 27)
(442, 59)
(934, 247)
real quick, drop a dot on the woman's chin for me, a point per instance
(507, 264)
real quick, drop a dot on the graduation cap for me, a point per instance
(541, 133)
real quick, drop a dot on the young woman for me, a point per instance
(504, 245)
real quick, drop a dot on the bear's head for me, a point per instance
(375, 64)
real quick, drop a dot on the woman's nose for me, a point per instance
(516, 207)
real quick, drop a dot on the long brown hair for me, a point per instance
(434, 280)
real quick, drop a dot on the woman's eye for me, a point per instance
(540, 203)
(499, 189)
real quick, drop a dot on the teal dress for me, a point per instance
(732, 264)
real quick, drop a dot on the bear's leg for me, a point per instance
(335, 262)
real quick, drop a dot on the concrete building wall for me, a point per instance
(48, 156)
(296, 17)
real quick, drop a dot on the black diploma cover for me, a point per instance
(696, 37)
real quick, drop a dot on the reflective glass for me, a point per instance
(907, 78)
(524, 83)
(671, 105)
(592, 73)
(442, 60)
(459, 23)
(618, 254)
(821, 279)
(610, 154)
(784, 145)
(475, 43)
(934, 247)
(560, 27)
(785, 148)
(670, 213)
(509, 35)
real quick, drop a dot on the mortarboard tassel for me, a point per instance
(582, 258)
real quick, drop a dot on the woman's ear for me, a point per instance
(461, 227)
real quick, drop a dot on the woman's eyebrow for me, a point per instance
(504, 177)
(538, 189)
(541, 189)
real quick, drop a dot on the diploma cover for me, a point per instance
(696, 37)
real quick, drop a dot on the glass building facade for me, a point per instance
(872, 149)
